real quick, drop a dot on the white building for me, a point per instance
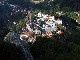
(58, 21)
(37, 1)
(51, 18)
(39, 14)
(51, 23)
(28, 27)
(45, 16)
(23, 36)
(37, 31)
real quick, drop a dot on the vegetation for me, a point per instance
(10, 51)
(67, 7)
(5, 32)
(67, 48)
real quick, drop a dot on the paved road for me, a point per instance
(25, 49)
(12, 37)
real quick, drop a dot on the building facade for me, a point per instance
(37, 1)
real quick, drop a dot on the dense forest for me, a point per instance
(73, 5)
(9, 51)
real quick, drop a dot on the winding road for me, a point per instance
(9, 38)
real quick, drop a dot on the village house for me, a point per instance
(39, 15)
(25, 35)
(51, 18)
(43, 25)
(28, 27)
(37, 32)
(37, 1)
(58, 21)
(31, 40)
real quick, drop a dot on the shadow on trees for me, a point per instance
(69, 22)
(9, 51)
